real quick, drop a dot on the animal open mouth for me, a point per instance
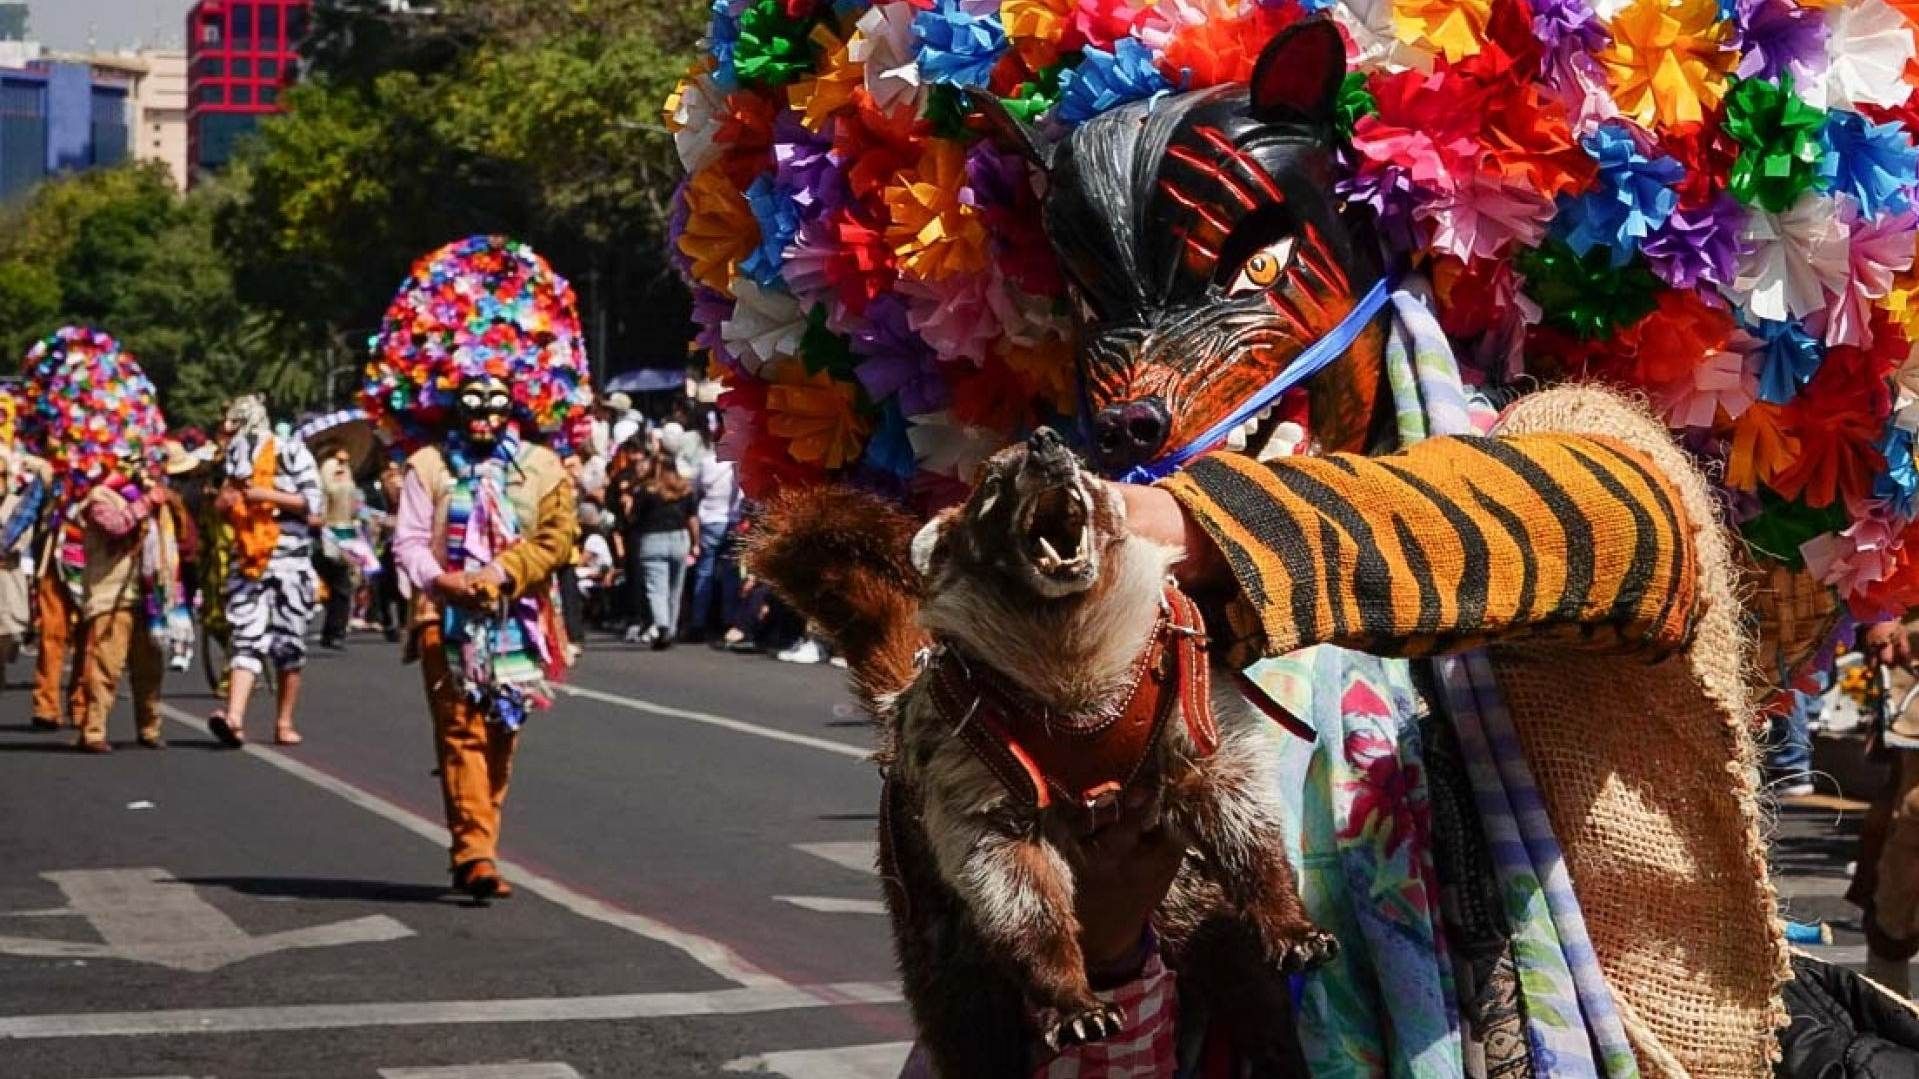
(1058, 533)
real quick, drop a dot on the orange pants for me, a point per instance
(476, 757)
(116, 642)
(62, 644)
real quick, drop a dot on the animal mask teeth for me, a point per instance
(1245, 434)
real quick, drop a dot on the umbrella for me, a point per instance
(647, 380)
(349, 429)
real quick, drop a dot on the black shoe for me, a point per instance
(152, 742)
(42, 723)
(333, 644)
(662, 641)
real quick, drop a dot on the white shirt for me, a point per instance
(596, 557)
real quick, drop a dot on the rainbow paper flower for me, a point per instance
(91, 410)
(484, 305)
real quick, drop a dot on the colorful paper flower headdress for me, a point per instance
(1710, 202)
(92, 409)
(483, 306)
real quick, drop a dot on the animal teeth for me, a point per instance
(1237, 440)
(1047, 552)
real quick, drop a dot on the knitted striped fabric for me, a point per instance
(1454, 542)
(496, 654)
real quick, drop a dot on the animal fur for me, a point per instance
(979, 890)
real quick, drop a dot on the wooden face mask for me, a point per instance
(1207, 259)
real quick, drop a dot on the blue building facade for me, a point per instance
(57, 118)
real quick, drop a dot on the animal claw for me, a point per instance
(1094, 1024)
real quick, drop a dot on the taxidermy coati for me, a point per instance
(1058, 670)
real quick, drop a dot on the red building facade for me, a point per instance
(240, 59)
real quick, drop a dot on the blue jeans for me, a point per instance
(716, 570)
(663, 565)
(1789, 740)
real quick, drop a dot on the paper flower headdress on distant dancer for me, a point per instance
(9, 416)
(483, 306)
(93, 408)
(1708, 201)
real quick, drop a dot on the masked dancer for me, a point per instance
(480, 355)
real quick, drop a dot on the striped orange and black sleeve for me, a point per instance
(1455, 543)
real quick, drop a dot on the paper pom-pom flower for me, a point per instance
(484, 305)
(1105, 80)
(1668, 60)
(1782, 154)
(92, 411)
(1635, 196)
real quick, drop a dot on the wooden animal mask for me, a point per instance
(1205, 253)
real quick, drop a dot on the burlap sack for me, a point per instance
(1650, 776)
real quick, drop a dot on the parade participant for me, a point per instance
(272, 500)
(112, 544)
(1218, 236)
(480, 354)
(661, 536)
(26, 479)
(341, 524)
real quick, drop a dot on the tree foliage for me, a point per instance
(121, 250)
(534, 118)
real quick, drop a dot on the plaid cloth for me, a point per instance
(1147, 1049)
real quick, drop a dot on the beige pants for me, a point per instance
(117, 642)
(16, 613)
(476, 757)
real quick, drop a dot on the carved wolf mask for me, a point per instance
(1205, 251)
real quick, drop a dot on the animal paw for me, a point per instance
(1095, 1023)
(1305, 951)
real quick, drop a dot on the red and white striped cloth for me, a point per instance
(1149, 1046)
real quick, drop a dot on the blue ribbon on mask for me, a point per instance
(1316, 358)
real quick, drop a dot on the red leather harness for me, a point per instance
(1041, 757)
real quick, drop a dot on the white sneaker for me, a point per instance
(634, 633)
(1794, 790)
(806, 651)
(838, 661)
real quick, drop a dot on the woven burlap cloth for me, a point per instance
(1650, 776)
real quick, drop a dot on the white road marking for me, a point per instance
(484, 1071)
(405, 1013)
(859, 855)
(737, 725)
(853, 1062)
(147, 916)
(709, 953)
(826, 904)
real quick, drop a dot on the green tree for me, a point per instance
(527, 117)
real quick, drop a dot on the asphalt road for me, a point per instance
(691, 836)
(690, 833)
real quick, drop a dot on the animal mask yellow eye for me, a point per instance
(1262, 269)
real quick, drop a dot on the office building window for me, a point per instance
(210, 94)
(242, 94)
(296, 26)
(269, 69)
(242, 68)
(270, 29)
(243, 26)
(212, 66)
(269, 95)
(210, 31)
